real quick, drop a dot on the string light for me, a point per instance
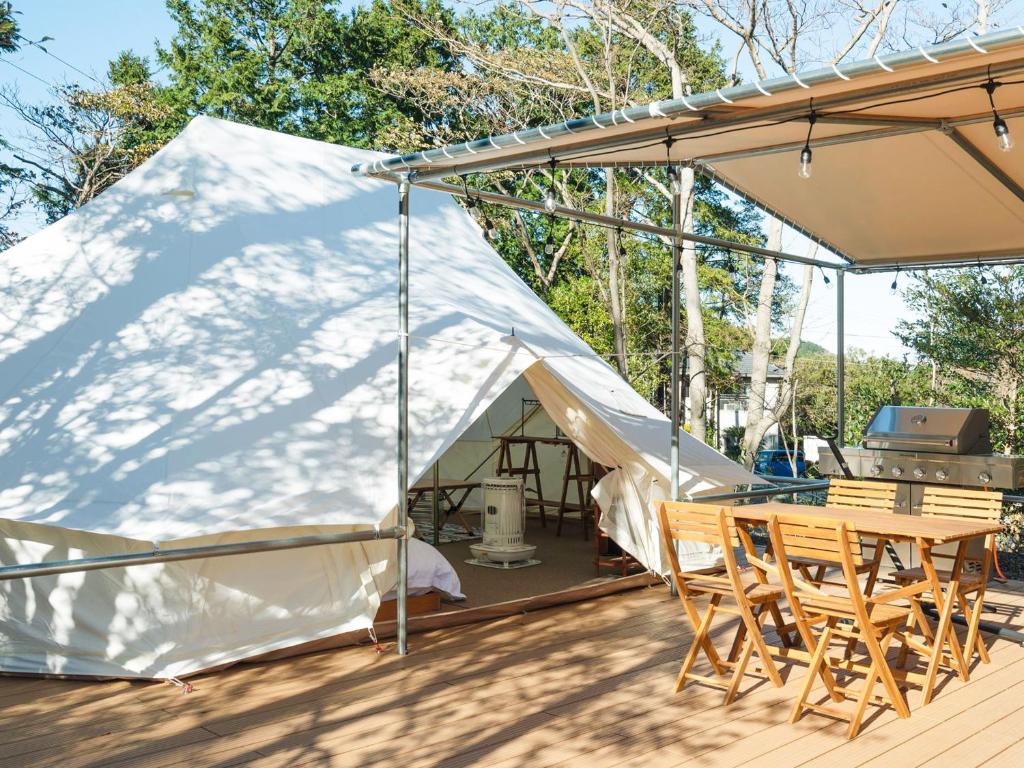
(675, 183)
(984, 281)
(622, 248)
(999, 126)
(894, 279)
(805, 154)
(490, 230)
(549, 244)
(550, 201)
(824, 276)
(673, 180)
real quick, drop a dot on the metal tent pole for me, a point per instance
(840, 358)
(676, 404)
(676, 401)
(403, 411)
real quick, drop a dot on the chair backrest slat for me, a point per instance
(961, 502)
(706, 523)
(697, 522)
(861, 494)
(946, 502)
(819, 538)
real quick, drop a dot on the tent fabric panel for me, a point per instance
(174, 619)
(204, 361)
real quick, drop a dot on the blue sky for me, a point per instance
(88, 34)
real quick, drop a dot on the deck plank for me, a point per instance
(581, 686)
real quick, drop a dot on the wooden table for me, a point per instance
(447, 490)
(925, 532)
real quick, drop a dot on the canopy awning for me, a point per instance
(907, 170)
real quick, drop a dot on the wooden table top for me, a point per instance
(445, 485)
(885, 524)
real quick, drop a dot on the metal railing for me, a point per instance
(781, 490)
(51, 568)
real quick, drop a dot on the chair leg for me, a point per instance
(974, 641)
(869, 686)
(757, 638)
(739, 670)
(737, 642)
(813, 670)
(901, 659)
(878, 657)
(701, 639)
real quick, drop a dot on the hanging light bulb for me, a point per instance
(622, 248)
(805, 162)
(824, 276)
(674, 181)
(549, 245)
(805, 154)
(999, 126)
(1002, 134)
(894, 279)
(470, 203)
(489, 229)
(981, 273)
(550, 201)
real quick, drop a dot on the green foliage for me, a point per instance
(870, 382)
(8, 28)
(298, 66)
(972, 327)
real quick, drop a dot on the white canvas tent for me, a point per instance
(206, 353)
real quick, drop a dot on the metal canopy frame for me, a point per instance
(713, 112)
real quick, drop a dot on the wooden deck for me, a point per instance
(587, 686)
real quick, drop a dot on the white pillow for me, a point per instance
(428, 570)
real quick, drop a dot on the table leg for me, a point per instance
(944, 604)
(456, 509)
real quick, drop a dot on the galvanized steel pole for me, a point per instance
(403, 410)
(102, 562)
(840, 358)
(675, 403)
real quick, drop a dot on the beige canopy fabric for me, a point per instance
(906, 165)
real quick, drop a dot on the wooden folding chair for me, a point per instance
(854, 495)
(754, 600)
(873, 623)
(940, 502)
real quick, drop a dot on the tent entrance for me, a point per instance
(516, 436)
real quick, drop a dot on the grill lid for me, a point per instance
(936, 430)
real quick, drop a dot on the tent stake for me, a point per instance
(403, 411)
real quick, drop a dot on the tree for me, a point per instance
(8, 28)
(529, 63)
(86, 140)
(297, 66)
(871, 382)
(972, 329)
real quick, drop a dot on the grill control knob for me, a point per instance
(876, 470)
(984, 478)
(942, 475)
(897, 471)
(919, 472)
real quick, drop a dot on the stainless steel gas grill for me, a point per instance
(919, 446)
